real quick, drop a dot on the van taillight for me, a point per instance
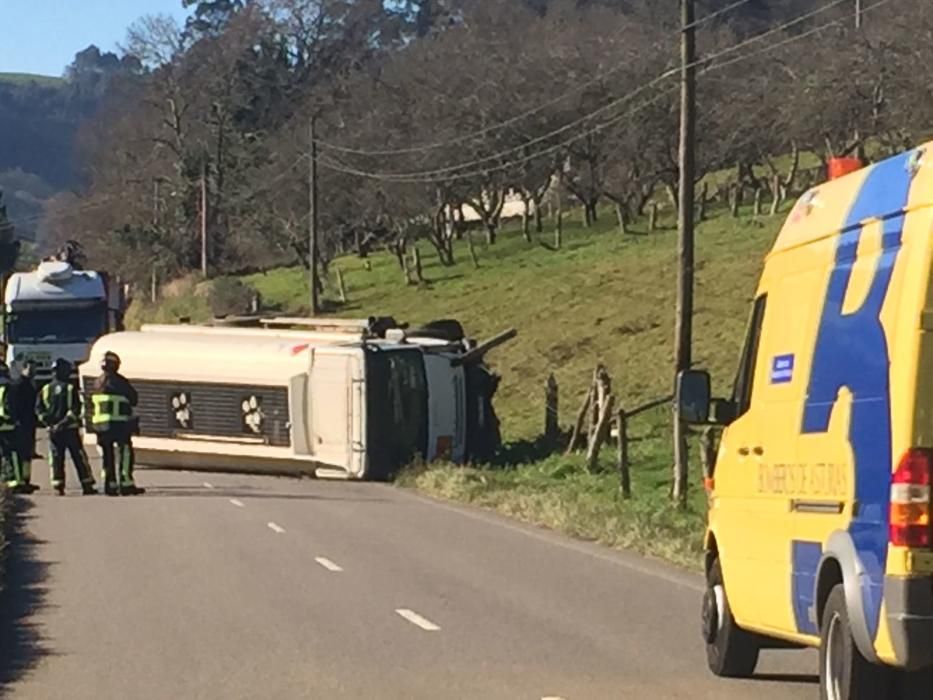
(910, 500)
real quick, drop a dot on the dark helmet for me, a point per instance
(111, 362)
(61, 368)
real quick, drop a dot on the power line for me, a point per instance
(451, 170)
(451, 173)
(518, 117)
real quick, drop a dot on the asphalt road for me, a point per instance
(227, 586)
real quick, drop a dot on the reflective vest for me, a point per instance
(109, 411)
(51, 419)
(7, 424)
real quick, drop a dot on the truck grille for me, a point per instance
(199, 410)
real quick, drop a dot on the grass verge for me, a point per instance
(558, 493)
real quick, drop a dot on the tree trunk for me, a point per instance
(775, 194)
(736, 196)
(539, 222)
(491, 230)
(757, 206)
(472, 249)
(416, 262)
(653, 217)
(526, 219)
(559, 226)
(704, 196)
(621, 216)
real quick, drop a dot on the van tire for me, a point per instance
(844, 673)
(732, 652)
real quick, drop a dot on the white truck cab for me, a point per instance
(55, 312)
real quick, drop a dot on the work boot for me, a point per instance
(31, 488)
(21, 489)
(133, 491)
(111, 491)
(60, 489)
(88, 490)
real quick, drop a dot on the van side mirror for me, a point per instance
(692, 396)
(722, 411)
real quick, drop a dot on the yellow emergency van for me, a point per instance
(819, 529)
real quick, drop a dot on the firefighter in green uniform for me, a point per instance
(112, 419)
(59, 409)
(13, 473)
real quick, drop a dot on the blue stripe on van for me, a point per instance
(852, 351)
(805, 559)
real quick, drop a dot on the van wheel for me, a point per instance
(730, 651)
(844, 673)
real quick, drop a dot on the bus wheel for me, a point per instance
(844, 673)
(730, 651)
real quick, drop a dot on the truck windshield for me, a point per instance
(397, 410)
(81, 325)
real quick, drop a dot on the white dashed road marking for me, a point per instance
(327, 564)
(276, 528)
(208, 486)
(237, 502)
(416, 619)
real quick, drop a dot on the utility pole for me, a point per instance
(204, 219)
(312, 216)
(684, 322)
(156, 203)
(858, 14)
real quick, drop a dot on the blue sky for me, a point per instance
(42, 36)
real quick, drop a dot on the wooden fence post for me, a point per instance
(624, 476)
(416, 260)
(551, 415)
(602, 431)
(578, 425)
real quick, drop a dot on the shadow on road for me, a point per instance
(248, 493)
(797, 678)
(22, 645)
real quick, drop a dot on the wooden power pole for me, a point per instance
(313, 217)
(204, 218)
(858, 14)
(684, 321)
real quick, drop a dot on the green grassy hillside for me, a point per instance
(24, 78)
(604, 297)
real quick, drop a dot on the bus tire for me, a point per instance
(731, 652)
(844, 673)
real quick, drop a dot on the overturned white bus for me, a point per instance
(350, 399)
